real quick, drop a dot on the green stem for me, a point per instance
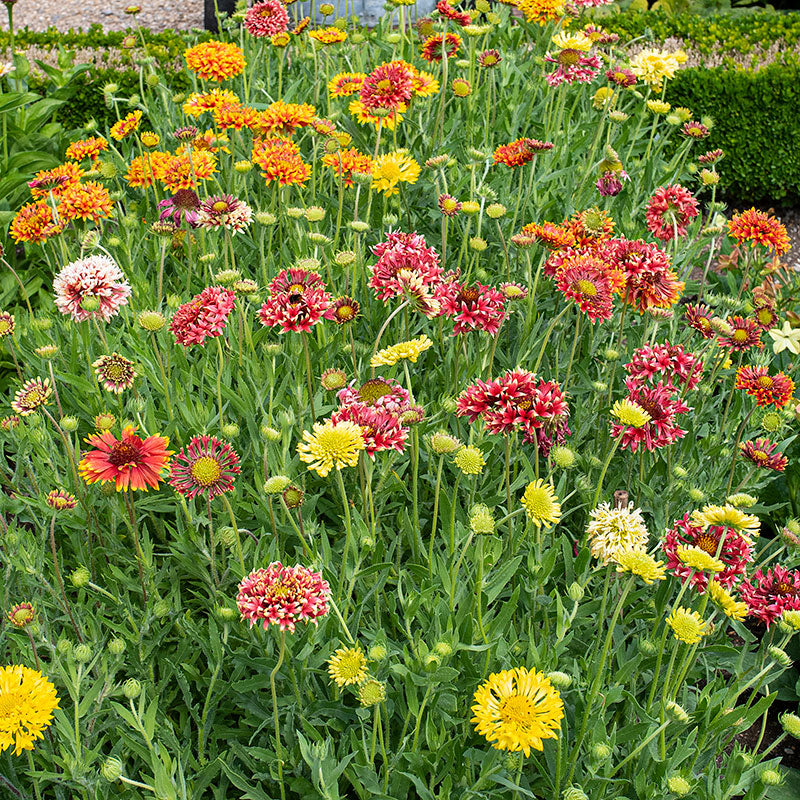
(278, 748)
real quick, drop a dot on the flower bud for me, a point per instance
(161, 608)
(377, 652)
(131, 688)
(80, 577)
(495, 210)
(82, 653)
(600, 751)
(563, 457)
(477, 244)
(770, 777)
(69, 424)
(678, 785)
(112, 769)
(677, 713)
(575, 592)
(780, 657)
(225, 614)
(116, 647)
(574, 793)
(561, 680)
(230, 430)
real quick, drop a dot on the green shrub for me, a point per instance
(756, 124)
(731, 33)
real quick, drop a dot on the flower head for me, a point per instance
(123, 127)
(722, 598)
(687, 626)
(768, 389)
(520, 151)
(391, 169)
(436, 45)
(331, 444)
(129, 462)
(516, 709)
(21, 615)
(206, 466)
(59, 500)
(541, 504)
(283, 596)
(297, 300)
(96, 277)
(473, 307)
(27, 702)
(769, 594)
(224, 211)
(469, 460)
(348, 666)
(640, 563)
(612, 531)
(743, 334)
(266, 18)
(205, 316)
(410, 350)
(759, 228)
(761, 452)
(33, 394)
(388, 86)
(115, 372)
(669, 211)
(215, 61)
(725, 546)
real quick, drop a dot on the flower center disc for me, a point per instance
(587, 288)
(518, 710)
(122, 453)
(206, 471)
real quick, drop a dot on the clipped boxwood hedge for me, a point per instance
(757, 124)
(755, 110)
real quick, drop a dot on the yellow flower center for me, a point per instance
(708, 544)
(569, 57)
(9, 704)
(5, 327)
(760, 455)
(765, 382)
(384, 85)
(517, 710)
(740, 336)
(220, 206)
(206, 471)
(587, 288)
(391, 171)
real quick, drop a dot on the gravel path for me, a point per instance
(65, 14)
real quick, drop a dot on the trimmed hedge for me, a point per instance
(756, 123)
(755, 111)
(736, 32)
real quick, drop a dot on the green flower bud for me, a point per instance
(112, 769)
(600, 751)
(575, 592)
(791, 724)
(377, 652)
(82, 653)
(677, 713)
(780, 657)
(678, 785)
(64, 647)
(574, 793)
(80, 577)
(770, 777)
(227, 536)
(131, 688)
(276, 484)
(563, 457)
(561, 680)
(116, 647)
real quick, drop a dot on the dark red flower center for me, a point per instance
(123, 453)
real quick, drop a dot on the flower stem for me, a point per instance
(54, 551)
(278, 748)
